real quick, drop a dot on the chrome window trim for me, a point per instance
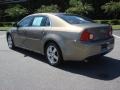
(33, 19)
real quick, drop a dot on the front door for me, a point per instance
(20, 34)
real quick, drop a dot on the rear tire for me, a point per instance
(10, 42)
(53, 54)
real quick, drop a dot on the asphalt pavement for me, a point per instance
(24, 70)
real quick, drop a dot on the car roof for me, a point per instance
(56, 14)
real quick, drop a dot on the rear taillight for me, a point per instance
(110, 31)
(86, 36)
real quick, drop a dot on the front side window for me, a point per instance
(40, 21)
(25, 22)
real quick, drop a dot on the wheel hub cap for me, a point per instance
(52, 54)
(10, 42)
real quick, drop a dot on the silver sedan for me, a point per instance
(61, 36)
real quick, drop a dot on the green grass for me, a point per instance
(4, 28)
(116, 27)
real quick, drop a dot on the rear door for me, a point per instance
(38, 29)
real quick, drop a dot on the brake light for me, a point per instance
(86, 36)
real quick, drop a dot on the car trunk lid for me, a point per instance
(100, 31)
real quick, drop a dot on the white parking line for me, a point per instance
(116, 36)
(2, 36)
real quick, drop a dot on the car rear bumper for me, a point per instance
(78, 51)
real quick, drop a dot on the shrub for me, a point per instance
(104, 22)
(111, 22)
(16, 11)
(6, 24)
(115, 22)
(112, 8)
(97, 21)
(51, 9)
(77, 7)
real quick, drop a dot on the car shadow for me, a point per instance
(104, 68)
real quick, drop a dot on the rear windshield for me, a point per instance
(75, 19)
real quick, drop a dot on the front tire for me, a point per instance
(10, 42)
(53, 54)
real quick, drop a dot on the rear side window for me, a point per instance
(37, 21)
(40, 21)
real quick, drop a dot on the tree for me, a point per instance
(77, 7)
(16, 11)
(44, 9)
(34, 4)
(112, 8)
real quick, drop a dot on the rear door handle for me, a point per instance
(43, 32)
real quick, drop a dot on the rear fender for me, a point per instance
(53, 37)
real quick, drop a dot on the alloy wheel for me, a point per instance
(52, 54)
(10, 43)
